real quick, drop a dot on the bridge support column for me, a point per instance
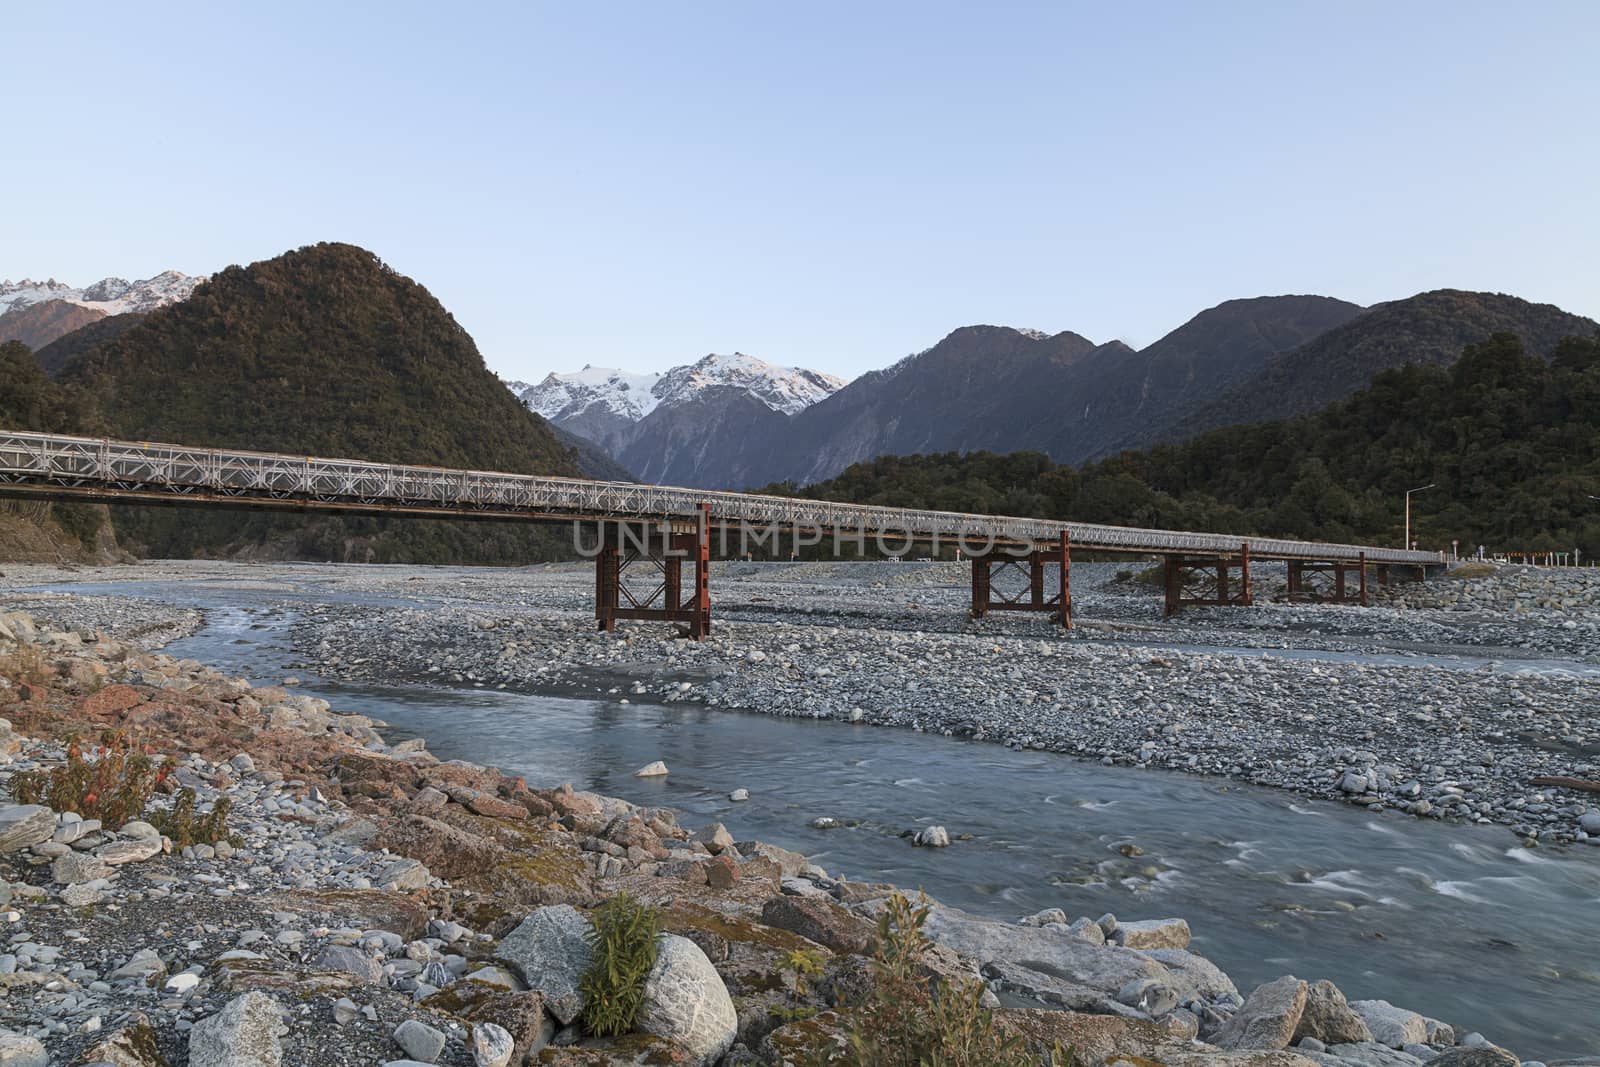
(1332, 582)
(657, 552)
(1028, 576)
(1208, 582)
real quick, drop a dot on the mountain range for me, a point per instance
(686, 426)
(1002, 389)
(37, 313)
(324, 350)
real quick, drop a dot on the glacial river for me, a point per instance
(1457, 922)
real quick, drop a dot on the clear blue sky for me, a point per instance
(825, 184)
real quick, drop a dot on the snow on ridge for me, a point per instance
(114, 296)
(620, 392)
(789, 390)
(633, 396)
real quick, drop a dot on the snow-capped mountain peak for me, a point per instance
(789, 390)
(612, 391)
(609, 391)
(114, 296)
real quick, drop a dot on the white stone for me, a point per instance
(686, 1002)
(492, 1045)
(651, 770)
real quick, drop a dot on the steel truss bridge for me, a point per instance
(660, 527)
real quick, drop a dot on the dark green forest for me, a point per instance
(1512, 441)
(322, 351)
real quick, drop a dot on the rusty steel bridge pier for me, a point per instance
(1032, 568)
(1329, 583)
(660, 553)
(653, 530)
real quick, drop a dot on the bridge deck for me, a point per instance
(103, 470)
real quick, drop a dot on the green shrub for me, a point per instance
(798, 967)
(185, 828)
(911, 1019)
(625, 937)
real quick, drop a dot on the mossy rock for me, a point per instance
(131, 1046)
(685, 919)
(629, 1050)
(800, 1040)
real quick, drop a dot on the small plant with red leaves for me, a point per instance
(111, 781)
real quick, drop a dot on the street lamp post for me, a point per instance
(1418, 489)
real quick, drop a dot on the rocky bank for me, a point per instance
(373, 905)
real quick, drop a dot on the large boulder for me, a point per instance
(1392, 1026)
(1269, 1018)
(686, 1002)
(1329, 1019)
(1094, 1038)
(24, 825)
(1194, 976)
(1365, 1054)
(243, 1034)
(550, 950)
(818, 920)
(1057, 992)
(1106, 968)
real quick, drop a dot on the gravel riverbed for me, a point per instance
(372, 903)
(1376, 706)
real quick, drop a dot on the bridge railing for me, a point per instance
(85, 465)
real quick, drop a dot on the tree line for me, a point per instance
(1511, 442)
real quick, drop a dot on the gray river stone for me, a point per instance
(1055, 991)
(686, 1002)
(243, 1034)
(1489, 1056)
(352, 961)
(17, 1050)
(24, 825)
(1392, 1026)
(1268, 1020)
(136, 850)
(1105, 968)
(419, 1040)
(1329, 1019)
(550, 950)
